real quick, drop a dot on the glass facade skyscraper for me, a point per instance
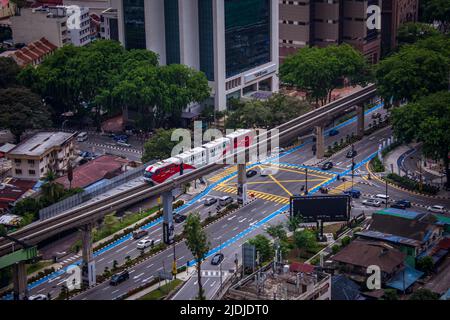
(206, 37)
(134, 24)
(247, 34)
(172, 27)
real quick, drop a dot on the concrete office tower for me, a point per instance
(324, 22)
(234, 42)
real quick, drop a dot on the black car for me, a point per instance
(327, 165)
(119, 278)
(405, 202)
(398, 205)
(179, 218)
(217, 259)
(351, 153)
(251, 173)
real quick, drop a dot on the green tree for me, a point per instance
(425, 264)
(426, 121)
(293, 223)
(305, 240)
(277, 232)
(263, 246)
(412, 32)
(346, 241)
(198, 244)
(390, 294)
(159, 146)
(411, 73)
(436, 10)
(20, 110)
(320, 70)
(424, 294)
(8, 72)
(27, 205)
(51, 190)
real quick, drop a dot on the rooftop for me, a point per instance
(40, 143)
(366, 253)
(33, 52)
(103, 167)
(12, 190)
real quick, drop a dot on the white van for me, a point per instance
(382, 197)
(226, 200)
(82, 137)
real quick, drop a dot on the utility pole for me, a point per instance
(386, 202)
(220, 268)
(174, 264)
(306, 181)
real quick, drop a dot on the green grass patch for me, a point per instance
(377, 165)
(161, 292)
(32, 268)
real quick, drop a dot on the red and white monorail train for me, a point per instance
(211, 152)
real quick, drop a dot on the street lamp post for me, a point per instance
(306, 181)
(385, 204)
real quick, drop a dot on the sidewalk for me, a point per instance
(390, 161)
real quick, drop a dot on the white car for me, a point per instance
(123, 143)
(144, 243)
(436, 209)
(372, 202)
(38, 297)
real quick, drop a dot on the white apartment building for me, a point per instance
(34, 157)
(234, 42)
(61, 25)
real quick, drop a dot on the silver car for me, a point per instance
(372, 202)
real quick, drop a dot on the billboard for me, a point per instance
(325, 208)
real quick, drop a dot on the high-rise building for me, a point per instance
(323, 22)
(234, 42)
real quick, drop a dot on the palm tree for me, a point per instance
(293, 223)
(198, 244)
(51, 191)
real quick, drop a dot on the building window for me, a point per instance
(247, 35)
(17, 161)
(31, 172)
(134, 24)
(18, 171)
(172, 26)
(31, 162)
(206, 37)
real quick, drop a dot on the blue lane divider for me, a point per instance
(198, 197)
(300, 166)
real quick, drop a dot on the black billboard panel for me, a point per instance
(326, 208)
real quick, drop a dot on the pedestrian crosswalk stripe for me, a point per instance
(223, 173)
(257, 194)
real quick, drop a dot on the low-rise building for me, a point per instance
(33, 158)
(32, 54)
(13, 190)
(7, 9)
(270, 283)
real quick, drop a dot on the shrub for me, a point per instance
(411, 184)
(345, 241)
(335, 248)
(377, 165)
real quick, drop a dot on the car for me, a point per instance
(251, 173)
(217, 259)
(407, 203)
(398, 205)
(225, 200)
(145, 243)
(436, 209)
(333, 132)
(384, 198)
(353, 193)
(38, 297)
(327, 165)
(179, 218)
(376, 115)
(120, 137)
(119, 278)
(266, 171)
(139, 234)
(87, 155)
(123, 143)
(351, 153)
(210, 201)
(372, 202)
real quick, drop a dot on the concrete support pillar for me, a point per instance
(242, 184)
(19, 274)
(88, 276)
(360, 120)
(168, 225)
(320, 148)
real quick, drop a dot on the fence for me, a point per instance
(86, 195)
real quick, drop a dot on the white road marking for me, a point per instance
(122, 248)
(101, 259)
(253, 210)
(242, 220)
(212, 284)
(115, 291)
(130, 251)
(235, 229)
(150, 266)
(147, 279)
(231, 218)
(225, 225)
(180, 258)
(138, 276)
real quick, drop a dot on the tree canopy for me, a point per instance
(436, 11)
(427, 121)
(412, 32)
(21, 109)
(320, 70)
(424, 294)
(263, 246)
(8, 72)
(159, 146)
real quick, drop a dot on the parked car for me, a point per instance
(353, 193)
(217, 259)
(226, 200)
(436, 209)
(398, 205)
(372, 202)
(210, 201)
(83, 136)
(139, 234)
(145, 243)
(333, 132)
(38, 297)
(376, 115)
(179, 218)
(351, 153)
(119, 278)
(120, 137)
(407, 203)
(251, 173)
(327, 165)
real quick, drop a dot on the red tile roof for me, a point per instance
(33, 52)
(301, 267)
(104, 167)
(11, 191)
(444, 244)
